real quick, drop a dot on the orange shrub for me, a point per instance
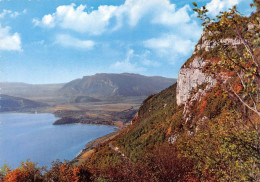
(237, 87)
(203, 105)
(217, 93)
(66, 172)
(28, 171)
(15, 176)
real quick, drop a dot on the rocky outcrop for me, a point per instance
(207, 45)
(190, 77)
(173, 139)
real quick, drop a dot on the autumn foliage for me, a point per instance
(162, 164)
(59, 172)
(28, 171)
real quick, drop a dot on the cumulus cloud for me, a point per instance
(184, 31)
(137, 9)
(215, 6)
(167, 17)
(8, 41)
(69, 41)
(75, 18)
(47, 21)
(81, 19)
(170, 45)
(126, 65)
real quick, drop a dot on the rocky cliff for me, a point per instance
(191, 77)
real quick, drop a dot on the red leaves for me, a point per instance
(16, 175)
(27, 172)
(60, 172)
(217, 93)
(237, 87)
(203, 105)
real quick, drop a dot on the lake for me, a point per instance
(32, 136)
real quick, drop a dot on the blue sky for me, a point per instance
(55, 41)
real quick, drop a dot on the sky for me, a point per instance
(56, 41)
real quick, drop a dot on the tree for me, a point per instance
(66, 172)
(28, 171)
(237, 40)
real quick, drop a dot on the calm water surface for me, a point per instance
(32, 136)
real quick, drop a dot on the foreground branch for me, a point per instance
(244, 103)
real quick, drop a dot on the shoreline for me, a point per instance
(59, 118)
(91, 146)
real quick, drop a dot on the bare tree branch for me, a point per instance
(244, 103)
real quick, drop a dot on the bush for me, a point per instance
(28, 171)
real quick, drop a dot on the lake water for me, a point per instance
(32, 136)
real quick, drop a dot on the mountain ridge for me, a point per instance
(111, 84)
(10, 103)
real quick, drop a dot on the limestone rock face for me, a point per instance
(208, 45)
(190, 77)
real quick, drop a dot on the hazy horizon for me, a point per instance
(81, 78)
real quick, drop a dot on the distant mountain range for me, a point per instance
(90, 89)
(9, 103)
(29, 90)
(125, 84)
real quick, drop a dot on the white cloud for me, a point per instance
(169, 17)
(215, 6)
(12, 14)
(48, 21)
(8, 41)
(179, 42)
(69, 41)
(126, 65)
(75, 18)
(137, 9)
(81, 19)
(36, 22)
(4, 13)
(170, 45)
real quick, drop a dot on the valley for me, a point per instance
(103, 99)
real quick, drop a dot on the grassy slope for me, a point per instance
(150, 128)
(157, 117)
(215, 144)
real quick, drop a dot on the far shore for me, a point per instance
(118, 124)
